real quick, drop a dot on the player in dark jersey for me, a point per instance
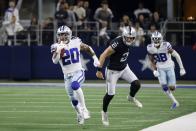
(118, 52)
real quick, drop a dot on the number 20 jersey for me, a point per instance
(71, 61)
(161, 56)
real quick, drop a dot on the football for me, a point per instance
(62, 52)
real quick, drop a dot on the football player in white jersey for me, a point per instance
(160, 53)
(66, 52)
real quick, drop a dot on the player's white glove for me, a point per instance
(96, 61)
(53, 48)
(182, 71)
(156, 73)
(60, 47)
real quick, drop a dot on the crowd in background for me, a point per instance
(144, 21)
(77, 15)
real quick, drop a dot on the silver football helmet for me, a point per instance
(156, 38)
(129, 35)
(64, 34)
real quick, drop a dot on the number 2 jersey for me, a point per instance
(71, 61)
(161, 56)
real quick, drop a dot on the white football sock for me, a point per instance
(171, 96)
(80, 96)
(77, 108)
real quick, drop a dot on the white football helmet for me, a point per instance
(64, 34)
(129, 35)
(156, 38)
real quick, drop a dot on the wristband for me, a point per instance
(99, 68)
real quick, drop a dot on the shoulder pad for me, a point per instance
(116, 41)
(164, 43)
(118, 37)
(114, 44)
(73, 37)
(54, 44)
(168, 45)
(149, 45)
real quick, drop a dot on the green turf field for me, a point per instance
(48, 109)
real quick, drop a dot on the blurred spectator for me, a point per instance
(87, 10)
(125, 21)
(11, 22)
(33, 30)
(47, 33)
(3, 36)
(104, 15)
(156, 20)
(72, 17)
(80, 12)
(88, 13)
(151, 30)
(61, 15)
(144, 23)
(60, 2)
(86, 34)
(139, 40)
(103, 34)
(71, 2)
(141, 10)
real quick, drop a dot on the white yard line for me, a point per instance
(62, 84)
(69, 124)
(62, 111)
(39, 124)
(183, 123)
(85, 85)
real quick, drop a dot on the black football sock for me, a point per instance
(135, 86)
(106, 101)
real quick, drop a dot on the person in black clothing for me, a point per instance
(33, 30)
(118, 52)
(61, 16)
(48, 31)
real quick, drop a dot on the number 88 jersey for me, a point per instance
(161, 55)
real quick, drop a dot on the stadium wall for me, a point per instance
(34, 62)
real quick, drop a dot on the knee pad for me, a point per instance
(109, 96)
(74, 102)
(75, 85)
(165, 88)
(172, 88)
(111, 91)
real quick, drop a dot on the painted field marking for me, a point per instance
(183, 123)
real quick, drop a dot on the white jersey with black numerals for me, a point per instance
(71, 61)
(161, 56)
